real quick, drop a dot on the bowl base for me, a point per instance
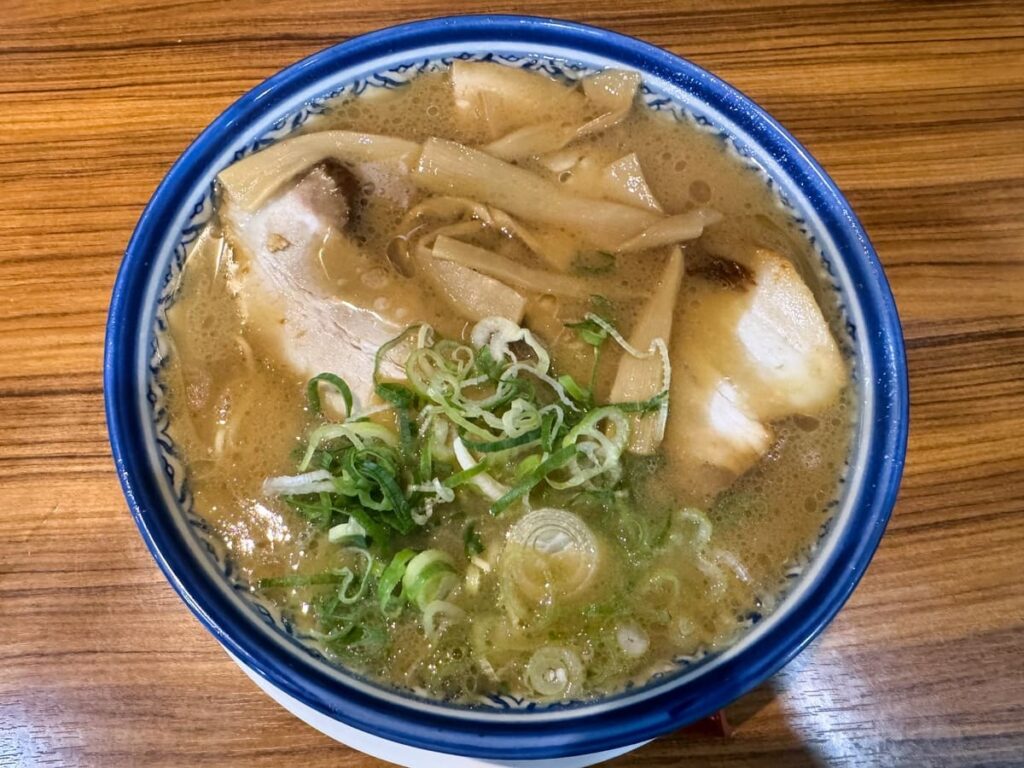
(407, 756)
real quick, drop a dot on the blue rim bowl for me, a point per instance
(526, 733)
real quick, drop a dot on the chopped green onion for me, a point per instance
(463, 477)
(403, 399)
(428, 577)
(426, 462)
(391, 604)
(439, 608)
(555, 672)
(377, 533)
(589, 332)
(594, 263)
(387, 347)
(474, 545)
(487, 366)
(576, 392)
(558, 459)
(496, 446)
(319, 511)
(396, 394)
(356, 433)
(593, 372)
(402, 519)
(313, 392)
(344, 595)
(349, 533)
(548, 431)
(643, 406)
(351, 638)
(459, 420)
(700, 528)
(527, 465)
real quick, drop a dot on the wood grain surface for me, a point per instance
(915, 108)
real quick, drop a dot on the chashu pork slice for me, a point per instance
(782, 355)
(712, 435)
(744, 358)
(291, 308)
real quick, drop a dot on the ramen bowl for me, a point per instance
(501, 730)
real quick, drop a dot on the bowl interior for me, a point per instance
(192, 557)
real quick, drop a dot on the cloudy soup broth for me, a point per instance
(500, 385)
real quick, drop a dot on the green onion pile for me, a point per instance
(485, 421)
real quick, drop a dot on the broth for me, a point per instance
(642, 585)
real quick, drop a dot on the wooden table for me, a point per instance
(915, 108)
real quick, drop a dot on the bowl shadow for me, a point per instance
(749, 732)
